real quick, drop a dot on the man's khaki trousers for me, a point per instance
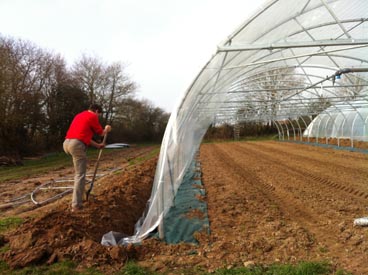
(77, 150)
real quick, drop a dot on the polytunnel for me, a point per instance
(290, 61)
(346, 120)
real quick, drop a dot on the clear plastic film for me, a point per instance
(279, 65)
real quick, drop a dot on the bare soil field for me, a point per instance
(272, 201)
(267, 201)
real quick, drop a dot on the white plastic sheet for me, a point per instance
(272, 68)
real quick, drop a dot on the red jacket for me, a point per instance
(83, 126)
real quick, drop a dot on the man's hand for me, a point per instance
(107, 128)
(97, 145)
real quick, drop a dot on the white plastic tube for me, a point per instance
(361, 221)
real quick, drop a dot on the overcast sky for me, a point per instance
(163, 43)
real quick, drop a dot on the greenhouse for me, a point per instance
(347, 120)
(301, 65)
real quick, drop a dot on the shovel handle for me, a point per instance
(96, 167)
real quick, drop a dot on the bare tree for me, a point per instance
(105, 84)
(62, 100)
(31, 82)
(139, 121)
(23, 66)
(267, 90)
(118, 87)
(350, 87)
(89, 73)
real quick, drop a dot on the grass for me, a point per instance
(4, 249)
(55, 161)
(70, 268)
(9, 223)
(131, 268)
(62, 268)
(52, 161)
(148, 156)
(35, 166)
(260, 138)
(248, 138)
(303, 268)
(323, 249)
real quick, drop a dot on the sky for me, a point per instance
(163, 44)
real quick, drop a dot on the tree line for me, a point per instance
(40, 95)
(246, 129)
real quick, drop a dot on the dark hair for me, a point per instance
(95, 107)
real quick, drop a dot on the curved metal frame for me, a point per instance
(298, 39)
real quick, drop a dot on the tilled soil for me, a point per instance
(272, 201)
(267, 202)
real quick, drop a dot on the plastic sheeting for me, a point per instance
(347, 120)
(281, 63)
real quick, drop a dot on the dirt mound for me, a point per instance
(59, 234)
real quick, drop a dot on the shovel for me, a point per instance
(96, 167)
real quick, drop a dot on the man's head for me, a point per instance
(95, 108)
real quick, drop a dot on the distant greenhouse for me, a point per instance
(347, 120)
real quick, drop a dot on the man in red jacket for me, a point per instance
(77, 139)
